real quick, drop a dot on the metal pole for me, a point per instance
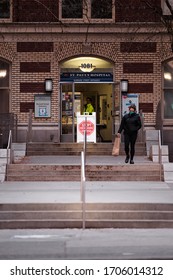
(83, 189)
(160, 155)
(85, 139)
(30, 126)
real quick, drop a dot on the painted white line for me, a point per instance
(34, 236)
(127, 254)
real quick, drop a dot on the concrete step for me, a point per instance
(42, 172)
(90, 215)
(90, 206)
(37, 224)
(98, 215)
(76, 148)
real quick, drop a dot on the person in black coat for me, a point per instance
(130, 123)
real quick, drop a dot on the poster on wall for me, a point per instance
(129, 99)
(42, 106)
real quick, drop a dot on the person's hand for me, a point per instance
(118, 135)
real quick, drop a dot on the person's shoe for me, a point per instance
(127, 159)
(131, 161)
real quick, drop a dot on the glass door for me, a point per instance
(67, 112)
(70, 106)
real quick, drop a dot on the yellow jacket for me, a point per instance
(89, 108)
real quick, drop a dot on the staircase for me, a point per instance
(42, 171)
(50, 172)
(98, 215)
(43, 149)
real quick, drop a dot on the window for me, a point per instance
(4, 86)
(4, 9)
(4, 74)
(168, 90)
(87, 10)
(72, 8)
(101, 9)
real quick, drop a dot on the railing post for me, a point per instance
(83, 189)
(9, 146)
(160, 154)
(29, 132)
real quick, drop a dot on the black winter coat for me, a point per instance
(130, 123)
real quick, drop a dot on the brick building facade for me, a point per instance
(38, 38)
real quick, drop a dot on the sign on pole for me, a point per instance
(87, 122)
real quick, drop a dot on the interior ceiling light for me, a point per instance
(3, 73)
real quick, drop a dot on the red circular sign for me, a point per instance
(89, 127)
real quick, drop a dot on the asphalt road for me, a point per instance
(119, 244)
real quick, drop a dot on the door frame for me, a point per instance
(66, 137)
(72, 136)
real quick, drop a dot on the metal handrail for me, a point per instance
(9, 148)
(160, 154)
(83, 180)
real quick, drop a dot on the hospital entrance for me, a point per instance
(73, 100)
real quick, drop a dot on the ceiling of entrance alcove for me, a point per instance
(76, 62)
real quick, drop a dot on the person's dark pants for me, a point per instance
(130, 140)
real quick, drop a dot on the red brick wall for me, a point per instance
(26, 84)
(25, 106)
(48, 11)
(32, 11)
(146, 107)
(141, 47)
(34, 47)
(140, 88)
(34, 67)
(138, 67)
(32, 87)
(136, 11)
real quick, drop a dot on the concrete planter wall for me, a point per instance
(3, 164)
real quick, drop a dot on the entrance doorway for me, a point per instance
(73, 100)
(82, 77)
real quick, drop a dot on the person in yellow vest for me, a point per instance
(88, 108)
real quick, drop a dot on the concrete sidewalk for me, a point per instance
(66, 192)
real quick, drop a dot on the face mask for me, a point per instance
(131, 112)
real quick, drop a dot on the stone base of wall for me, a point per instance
(39, 134)
(168, 140)
(3, 164)
(19, 151)
(154, 153)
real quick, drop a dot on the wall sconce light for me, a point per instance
(167, 76)
(124, 86)
(3, 73)
(48, 85)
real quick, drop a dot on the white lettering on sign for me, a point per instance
(89, 127)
